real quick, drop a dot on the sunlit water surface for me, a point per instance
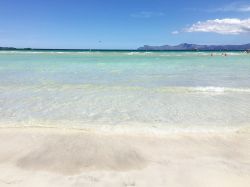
(162, 91)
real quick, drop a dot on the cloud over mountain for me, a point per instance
(222, 26)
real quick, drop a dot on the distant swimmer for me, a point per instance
(211, 54)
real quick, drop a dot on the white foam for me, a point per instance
(220, 89)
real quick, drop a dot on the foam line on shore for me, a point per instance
(133, 130)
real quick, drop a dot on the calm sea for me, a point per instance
(162, 91)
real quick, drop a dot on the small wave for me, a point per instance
(140, 53)
(211, 89)
(100, 87)
(221, 89)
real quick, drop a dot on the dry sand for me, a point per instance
(59, 158)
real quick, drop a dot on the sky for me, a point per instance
(122, 24)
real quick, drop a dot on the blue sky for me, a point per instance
(122, 24)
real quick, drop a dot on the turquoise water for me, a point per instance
(150, 90)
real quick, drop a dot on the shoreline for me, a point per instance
(134, 129)
(64, 157)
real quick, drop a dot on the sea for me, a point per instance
(143, 91)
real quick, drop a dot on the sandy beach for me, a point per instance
(124, 119)
(63, 157)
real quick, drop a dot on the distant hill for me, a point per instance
(186, 46)
(7, 48)
(13, 48)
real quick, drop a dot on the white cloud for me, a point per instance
(146, 14)
(222, 26)
(175, 32)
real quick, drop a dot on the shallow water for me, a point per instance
(155, 90)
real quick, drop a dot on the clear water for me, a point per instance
(143, 90)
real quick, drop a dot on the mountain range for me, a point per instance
(186, 46)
